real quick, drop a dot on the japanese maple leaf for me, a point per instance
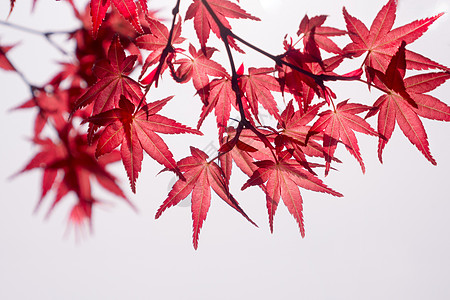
(201, 176)
(50, 105)
(303, 86)
(405, 101)
(283, 178)
(198, 67)
(157, 40)
(293, 124)
(4, 62)
(320, 34)
(11, 5)
(204, 22)
(89, 50)
(135, 132)
(257, 86)
(127, 9)
(248, 148)
(338, 125)
(221, 97)
(381, 41)
(68, 166)
(112, 81)
(294, 131)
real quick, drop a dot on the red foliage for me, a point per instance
(127, 8)
(199, 176)
(68, 166)
(99, 87)
(134, 129)
(204, 22)
(338, 125)
(381, 42)
(404, 102)
(5, 64)
(284, 176)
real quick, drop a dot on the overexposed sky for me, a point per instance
(388, 238)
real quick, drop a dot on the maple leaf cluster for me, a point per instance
(119, 37)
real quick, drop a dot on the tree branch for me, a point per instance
(243, 123)
(168, 49)
(46, 35)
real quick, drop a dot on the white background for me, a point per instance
(388, 238)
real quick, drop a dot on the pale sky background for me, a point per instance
(388, 238)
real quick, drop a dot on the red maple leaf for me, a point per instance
(302, 86)
(135, 132)
(257, 86)
(89, 50)
(112, 81)
(220, 98)
(204, 23)
(127, 9)
(156, 41)
(54, 105)
(201, 176)
(198, 67)
(68, 166)
(338, 125)
(381, 41)
(294, 134)
(11, 5)
(4, 62)
(405, 101)
(284, 177)
(312, 28)
(246, 150)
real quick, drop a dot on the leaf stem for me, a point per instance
(374, 86)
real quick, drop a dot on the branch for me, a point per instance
(46, 35)
(32, 87)
(319, 79)
(168, 49)
(244, 123)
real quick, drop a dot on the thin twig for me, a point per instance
(374, 86)
(244, 123)
(319, 79)
(46, 35)
(168, 49)
(32, 87)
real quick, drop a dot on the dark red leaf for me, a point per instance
(381, 41)
(113, 81)
(135, 132)
(204, 23)
(404, 102)
(198, 68)
(338, 125)
(4, 62)
(284, 178)
(201, 176)
(127, 8)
